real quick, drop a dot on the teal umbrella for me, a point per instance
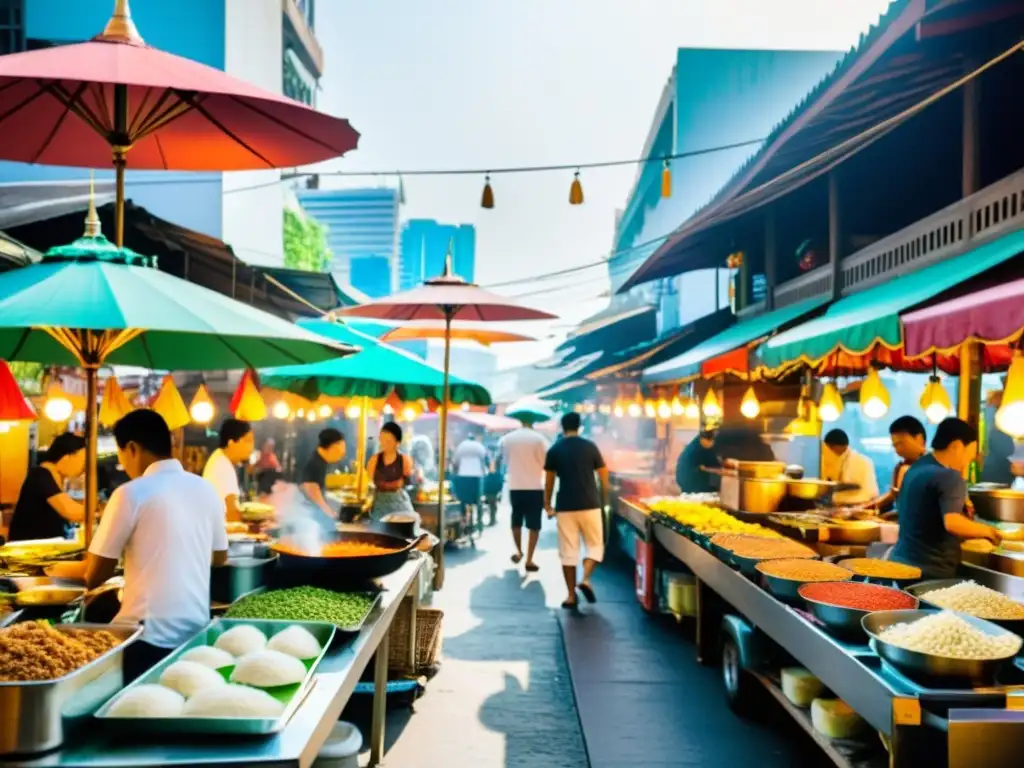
(91, 303)
(378, 371)
(530, 412)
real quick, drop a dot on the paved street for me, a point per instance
(525, 684)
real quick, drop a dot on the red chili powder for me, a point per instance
(863, 597)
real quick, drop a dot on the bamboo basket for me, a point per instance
(428, 639)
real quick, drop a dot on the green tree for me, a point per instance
(305, 242)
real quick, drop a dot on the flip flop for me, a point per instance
(516, 559)
(570, 605)
(532, 567)
(588, 592)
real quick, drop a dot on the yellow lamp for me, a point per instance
(325, 411)
(353, 411)
(311, 415)
(711, 408)
(58, 406)
(874, 397)
(604, 409)
(830, 406)
(750, 407)
(464, 406)
(635, 409)
(589, 408)
(1010, 416)
(247, 403)
(280, 410)
(692, 409)
(664, 410)
(935, 400)
(202, 408)
(114, 404)
(650, 409)
(678, 408)
(168, 403)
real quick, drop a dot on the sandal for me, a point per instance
(588, 592)
(570, 605)
(516, 558)
(532, 567)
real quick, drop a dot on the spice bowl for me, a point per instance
(845, 620)
(784, 577)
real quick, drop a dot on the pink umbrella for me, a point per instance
(446, 298)
(90, 103)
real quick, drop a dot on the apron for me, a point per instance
(390, 502)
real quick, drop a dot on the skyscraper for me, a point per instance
(371, 274)
(424, 244)
(360, 223)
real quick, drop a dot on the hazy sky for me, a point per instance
(489, 83)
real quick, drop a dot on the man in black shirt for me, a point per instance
(575, 461)
(330, 450)
(698, 454)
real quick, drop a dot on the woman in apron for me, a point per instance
(389, 470)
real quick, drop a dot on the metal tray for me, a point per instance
(239, 726)
(351, 629)
(34, 715)
(921, 590)
(9, 617)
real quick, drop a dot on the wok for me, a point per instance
(295, 569)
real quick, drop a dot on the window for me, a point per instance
(297, 83)
(12, 26)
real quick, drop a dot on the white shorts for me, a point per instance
(572, 526)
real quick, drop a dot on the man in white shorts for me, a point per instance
(578, 465)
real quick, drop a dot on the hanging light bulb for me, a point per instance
(666, 179)
(678, 408)
(830, 406)
(578, 408)
(664, 410)
(692, 409)
(1010, 416)
(409, 413)
(353, 411)
(874, 397)
(202, 408)
(464, 407)
(281, 410)
(487, 199)
(749, 406)
(604, 409)
(650, 409)
(935, 400)
(589, 408)
(576, 190)
(58, 405)
(388, 409)
(325, 411)
(300, 413)
(311, 415)
(618, 411)
(711, 407)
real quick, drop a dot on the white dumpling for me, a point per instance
(295, 641)
(147, 701)
(241, 640)
(233, 701)
(190, 677)
(268, 669)
(208, 656)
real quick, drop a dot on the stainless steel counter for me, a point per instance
(299, 742)
(633, 512)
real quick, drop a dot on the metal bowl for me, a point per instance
(840, 619)
(851, 532)
(930, 667)
(809, 489)
(787, 590)
(921, 590)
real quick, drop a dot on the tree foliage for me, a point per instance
(305, 242)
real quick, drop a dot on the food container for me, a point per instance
(347, 629)
(927, 666)
(841, 620)
(785, 588)
(922, 589)
(240, 576)
(810, 489)
(759, 469)
(239, 726)
(997, 503)
(35, 715)
(850, 532)
(256, 512)
(341, 572)
(405, 525)
(752, 495)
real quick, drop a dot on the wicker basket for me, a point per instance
(428, 639)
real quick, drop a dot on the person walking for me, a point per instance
(524, 452)
(575, 461)
(470, 462)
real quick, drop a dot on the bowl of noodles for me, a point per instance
(347, 557)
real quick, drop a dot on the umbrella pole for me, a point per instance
(91, 449)
(442, 461)
(120, 149)
(361, 489)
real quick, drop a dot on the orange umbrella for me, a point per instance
(485, 336)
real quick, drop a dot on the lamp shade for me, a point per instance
(168, 403)
(13, 405)
(874, 397)
(1010, 416)
(935, 400)
(247, 403)
(202, 408)
(114, 405)
(750, 407)
(830, 406)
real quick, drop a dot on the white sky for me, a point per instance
(490, 83)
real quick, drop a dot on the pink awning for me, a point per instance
(991, 315)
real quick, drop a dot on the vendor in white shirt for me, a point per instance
(168, 526)
(236, 446)
(840, 463)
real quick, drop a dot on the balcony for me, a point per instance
(302, 35)
(968, 223)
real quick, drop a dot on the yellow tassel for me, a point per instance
(576, 190)
(666, 180)
(487, 201)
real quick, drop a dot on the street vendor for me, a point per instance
(389, 470)
(44, 509)
(910, 444)
(841, 463)
(221, 470)
(698, 455)
(330, 449)
(932, 519)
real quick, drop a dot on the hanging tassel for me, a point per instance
(576, 190)
(487, 200)
(666, 179)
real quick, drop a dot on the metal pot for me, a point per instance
(759, 469)
(810, 489)
(998, 503)
(240, 576)
(850, 532)
(335, 572)
(756, 496)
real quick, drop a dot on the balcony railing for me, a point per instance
(314, 53)
(989, 213)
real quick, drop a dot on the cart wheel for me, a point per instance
(735, 678)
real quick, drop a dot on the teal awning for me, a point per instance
(687, 365)
(859, 322)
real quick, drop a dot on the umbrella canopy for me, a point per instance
(376, 372)
(485, 336)
(530, 411)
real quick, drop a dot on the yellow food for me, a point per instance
(705, 519)
(803, 570)
(35, 651)
(835, 718)
(759, 547)
(800, 686)
(341, 549)
(983, 546)
(880, 569)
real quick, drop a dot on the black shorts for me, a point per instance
(527, 508)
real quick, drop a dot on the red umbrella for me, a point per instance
(446, 298)
(114, 96)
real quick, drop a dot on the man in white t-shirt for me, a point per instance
(471, 462)
(168, 525)
(236, 447)
(842, 464)
(524, 451)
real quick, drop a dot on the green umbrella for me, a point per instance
(376, 372)
(91, 303)
(530, 412)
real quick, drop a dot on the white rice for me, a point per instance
(295, 641)
(208, 656)
(946, 634)
(241, 640)
(190, 677)
(147, 701)
(233, 701)
(268, 669)
(975, 600)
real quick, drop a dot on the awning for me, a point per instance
(609, 316)
(491, 422)
(994, 315)
(611, 334)
(862, 322)
(688, 365)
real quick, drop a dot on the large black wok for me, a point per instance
(331, 572)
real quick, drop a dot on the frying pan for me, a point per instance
(333, 572)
